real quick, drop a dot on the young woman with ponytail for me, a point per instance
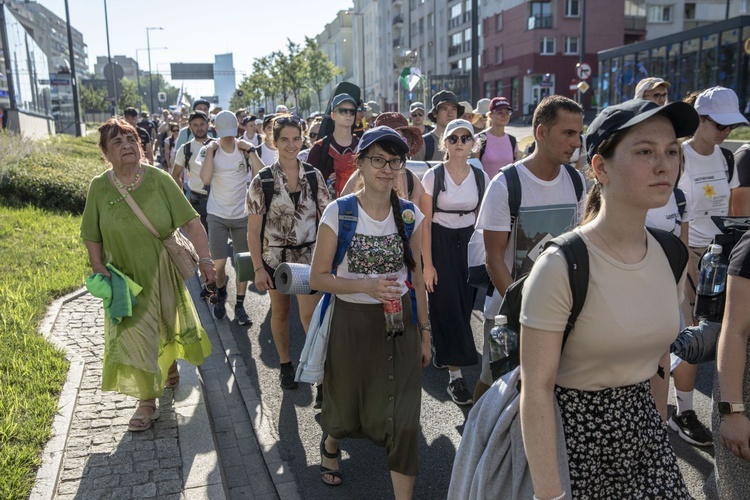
(372, 384)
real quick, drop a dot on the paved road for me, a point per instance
(363, 464)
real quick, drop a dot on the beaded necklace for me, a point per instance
(127, 188)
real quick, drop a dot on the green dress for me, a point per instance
(165, 325)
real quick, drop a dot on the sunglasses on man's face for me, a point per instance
(347, 111)
(417, 115)
(722, 128)
(453, 139)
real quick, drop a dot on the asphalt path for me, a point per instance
(363, 464)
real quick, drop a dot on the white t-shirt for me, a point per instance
(194, 168)
(268, 155)
(666, 218)
(228, 184)
(706, 189)
(535, 193)
(455, 197)
(376, 250)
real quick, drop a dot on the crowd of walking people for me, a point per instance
(383, 209)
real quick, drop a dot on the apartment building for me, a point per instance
(337, 43)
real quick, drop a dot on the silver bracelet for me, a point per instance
(559, 497)
(206, 260)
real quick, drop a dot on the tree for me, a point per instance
(319, 69)
(93, 100)
(129, 97)
(279, 75)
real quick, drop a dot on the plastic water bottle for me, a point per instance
(394, 315)
(712, 282)
(503, 347)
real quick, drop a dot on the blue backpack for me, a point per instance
(348, 213)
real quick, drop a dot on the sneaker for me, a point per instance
(690, 429)
(241, 316)
(286, 376)
(459, 393)
(434, 361)
(318, 397)
(220, 308)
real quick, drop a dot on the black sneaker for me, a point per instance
(459, 393)
(220, 308)
(241, 316)
(318, 397)
(690, 429)
(286, 376)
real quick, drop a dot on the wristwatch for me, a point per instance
(727, 408)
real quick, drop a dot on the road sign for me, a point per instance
(583, 87)
(583, 71)
(162, 96)
(574, 85)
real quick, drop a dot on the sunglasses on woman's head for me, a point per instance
(284, 120)
(722, 128)
(453, 139)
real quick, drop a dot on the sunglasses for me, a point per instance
(347, 111)
(465, 139)
(285, 120)
(417, 115)
(175, 130)
(659, 96)
(722, 128)
(379, 162)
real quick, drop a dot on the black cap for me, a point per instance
(130, 111)
(201, 101)
(339, 99)
(267, 119)
(197, 114)
(382, 134)
(248, 118)
(629, 113)
(441, 97)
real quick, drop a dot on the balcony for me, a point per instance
(398, 21)
(454, 50)
(635, 23)
(540, 22)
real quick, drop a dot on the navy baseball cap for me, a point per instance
(382, 134)
(630, 113)
(342, 98)
(201, 101)
(197, 114)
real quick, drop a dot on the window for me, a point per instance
(421, 25)
(571, 45)
(572, 8)
(487, 89)
(429, 49)
(499, 55)
(548, 46)
(498, 88)
(430, 21)
(540, 15)
(660, 14)
(499, 22)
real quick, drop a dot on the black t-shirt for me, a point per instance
(739, 260)
(147, 125)
(742, 165)
(145, 138)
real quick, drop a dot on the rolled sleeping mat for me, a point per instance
(293, 279)
(243, 266)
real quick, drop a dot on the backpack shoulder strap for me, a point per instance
(429, 146)
(679, 196)
(408, 223)
(577, 256)
(267, 185)
(188, 154)
(325, 156)
(729, 158)
(674, 248)
(348, 211)
(575, 176)
(479, 178)
(513, 143)
(312, 179)
(438, 185)
(514, 190)
(482, 136)
(409, 182)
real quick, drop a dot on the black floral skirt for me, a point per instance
(617, 445)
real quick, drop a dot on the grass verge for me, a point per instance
(42, 259)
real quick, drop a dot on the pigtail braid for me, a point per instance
(396, 206)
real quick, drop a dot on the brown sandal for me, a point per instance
(146, 420)
(173, 377)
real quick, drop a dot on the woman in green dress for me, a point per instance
(140, 351)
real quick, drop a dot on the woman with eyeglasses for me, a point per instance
(452, 213)
(285, 231)
(373, 381)
(706, 180)
(169, 149)
(497, 147)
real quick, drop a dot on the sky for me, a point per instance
(195, 30)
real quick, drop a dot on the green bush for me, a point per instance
(53, 175)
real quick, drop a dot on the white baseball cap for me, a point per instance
(721, 105)
(458, 124)
(226, 124)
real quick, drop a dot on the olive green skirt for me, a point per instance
(372, 386)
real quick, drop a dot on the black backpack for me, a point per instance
(577, 256)
(483, 144)
(439, 185)
(267, 184)
(429, 146)
(729, 157)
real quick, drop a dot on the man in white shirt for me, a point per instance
(185, 134)
(225, 169)
(548, 192)
(187, 156)
(251, 134)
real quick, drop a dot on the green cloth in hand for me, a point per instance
(117, 293)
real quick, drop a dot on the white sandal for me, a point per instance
(147, 420)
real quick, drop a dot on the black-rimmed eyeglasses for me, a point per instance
(379, 162)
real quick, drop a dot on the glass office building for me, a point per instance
(696, 59)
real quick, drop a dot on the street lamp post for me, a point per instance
(150, 74)
(109, 59)
(74, 83)
(138, 68)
